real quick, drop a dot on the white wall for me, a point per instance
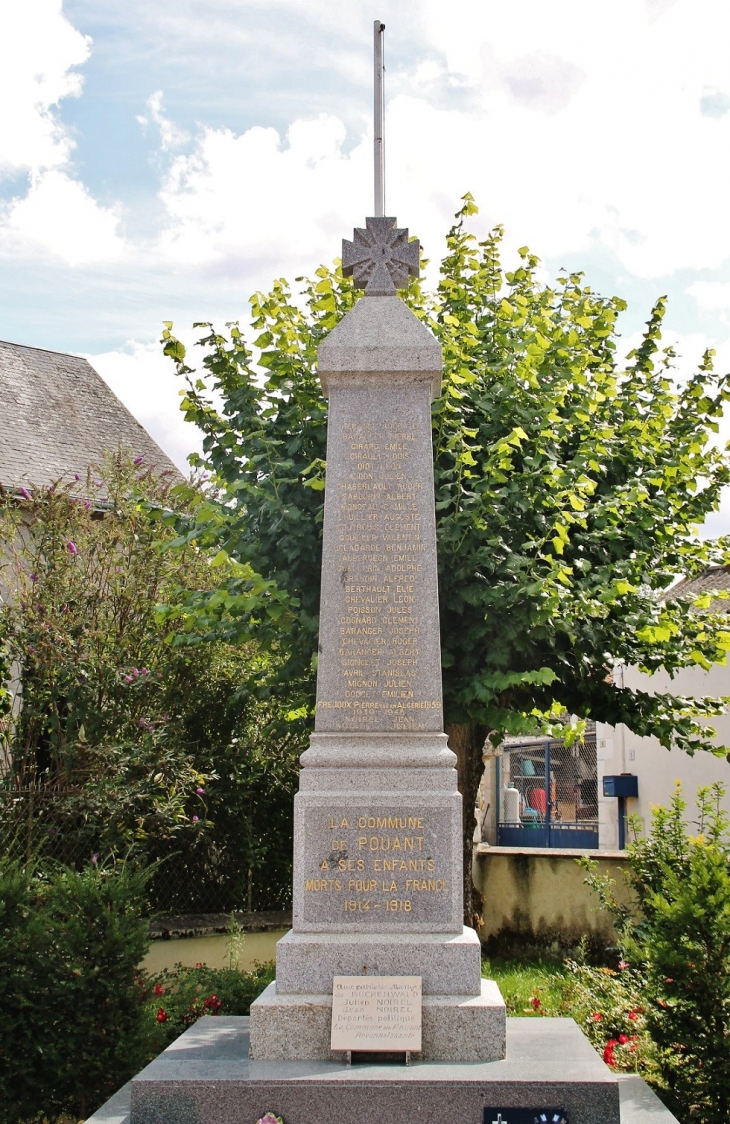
(620, 751)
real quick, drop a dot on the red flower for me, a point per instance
(596, 1016)
(161, 1015)
(535, 1003)
(608, 1057)
(669, 979)
(159, 989)
(635, 1014)
(623, 1039)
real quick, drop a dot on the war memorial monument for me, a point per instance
(379, 1011)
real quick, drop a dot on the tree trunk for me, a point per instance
(466, 742)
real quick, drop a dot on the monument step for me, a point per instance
(207, 1077)
(454, 1027)
(306, 963)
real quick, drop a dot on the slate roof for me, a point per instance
(709, 581)
(58, 416)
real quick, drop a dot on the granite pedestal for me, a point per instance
(205, 1077)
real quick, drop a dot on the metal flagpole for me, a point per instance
(378, 30)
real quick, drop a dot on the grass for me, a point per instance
(529, 990)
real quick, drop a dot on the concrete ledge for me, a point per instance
(206, 1078)
(448, 965)
(174, 927)
(164, 1087)
(455, 1028)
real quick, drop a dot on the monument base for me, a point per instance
(454, 1027)
(205, 1077)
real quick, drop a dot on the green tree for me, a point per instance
(569, 490)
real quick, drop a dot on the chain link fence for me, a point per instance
(548, 794)
(206, 877)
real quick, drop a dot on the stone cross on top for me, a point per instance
(380, 258)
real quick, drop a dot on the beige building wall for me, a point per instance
(621, 751)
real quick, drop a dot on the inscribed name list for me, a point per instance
(376, 1013)
(379, 665)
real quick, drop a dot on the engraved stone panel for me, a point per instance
(385, 866)
(376, 1013)
(379, 666)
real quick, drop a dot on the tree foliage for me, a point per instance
(569, 490)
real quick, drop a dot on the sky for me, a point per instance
(164, 159)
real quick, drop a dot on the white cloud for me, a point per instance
(253, 198)
(56, 216)
(38, 49)
(59, 217)
(170, 135)
(144, 380)
(711, 295)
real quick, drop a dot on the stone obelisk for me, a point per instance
(377, 844)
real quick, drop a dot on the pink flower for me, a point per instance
(623, 964)
(135, 671)
(138, 460)
(72, 548)
(129, 679)
(200, 791)
(24, 493)
(195, 819)
(76, 476)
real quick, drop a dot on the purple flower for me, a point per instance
(51, 831)
(144, 671)
(76, 476)
(72, 548)
(34, 577)
(24, 493)
(165, 717)
(87, 506)
(129, 678)
(95, 858)
(200, 791)
(138, 460)
(143, 723)
(31, 648)
(195, 819)
(135, 671)
(98, 483)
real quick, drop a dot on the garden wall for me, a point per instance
(535, 900)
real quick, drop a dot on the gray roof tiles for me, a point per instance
(58, 416)
(712, 580)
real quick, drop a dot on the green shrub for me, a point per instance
(75, 1025)
(676, 937)
(178, 998)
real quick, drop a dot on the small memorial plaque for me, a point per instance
(376, 1013)
(525, 1116)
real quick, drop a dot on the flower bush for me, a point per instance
(177, 998)
(125, 744)
(673, 990)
